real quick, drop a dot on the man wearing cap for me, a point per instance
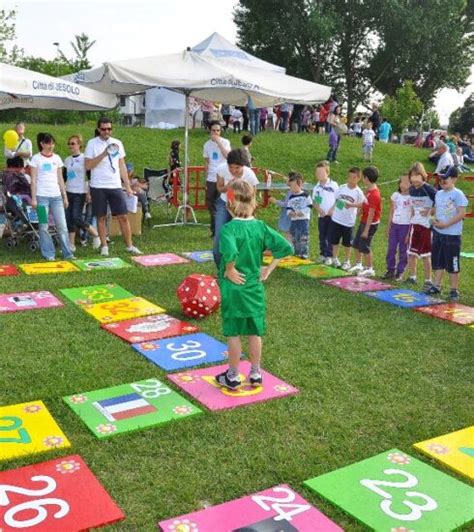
(445, 160)
(105, 158)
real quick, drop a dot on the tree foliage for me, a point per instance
(462, 120)
(403, 109)
(7, 37)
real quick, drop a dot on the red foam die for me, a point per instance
(199, 295)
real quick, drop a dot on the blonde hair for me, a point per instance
(324, 164)
(78, 137)
(241, 200)
(418, 169)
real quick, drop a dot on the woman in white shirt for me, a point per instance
(48, 196)
(78, 194)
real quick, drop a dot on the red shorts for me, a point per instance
(420, 241)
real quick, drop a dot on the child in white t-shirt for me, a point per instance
(236, 119)
(368, 140)
(349, 197)
(398, 229)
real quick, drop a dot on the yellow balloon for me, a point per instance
(11, 139)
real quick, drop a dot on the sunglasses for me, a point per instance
(105, 129)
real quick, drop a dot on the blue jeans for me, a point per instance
(299, 231)
(254, 120)
(55, 207)
(222, 217)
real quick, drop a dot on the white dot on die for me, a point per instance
(204, 298)
(202, 284)
(201, 315)
(201, 305)
(206, 308)
(208, 291)
(187, 289)
(188, 309)
(194, 311)
(214, 298)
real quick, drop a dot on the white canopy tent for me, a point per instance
(26, 89)
(224, 79)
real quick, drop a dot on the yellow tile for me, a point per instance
(455, 450)
(288, 262)
(28, 428)
(37, 268)
(122, 309)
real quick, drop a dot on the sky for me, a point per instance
(125, 29)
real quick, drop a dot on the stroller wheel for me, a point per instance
(11, 242)
(33, 246)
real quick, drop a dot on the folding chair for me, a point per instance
(157, 193)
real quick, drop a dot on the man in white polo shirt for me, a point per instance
(105, 158)
(215, 153)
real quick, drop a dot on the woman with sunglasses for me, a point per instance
(48, 196)
(77, 189)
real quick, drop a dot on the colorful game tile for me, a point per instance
(404, 298)
(55, 496)
(201, 384)
(394, 491)
(162, 259)
(28, 301)
(113, 263)
(454, 312)
(8, 269)
(37, 268)
(183, 351)
(129, 407)
(288, 262)
(319, 271)
(454, 450)
(99, 293)
(199, 256)
(467, 254)
(150, 328)
(122, 309)
(278, 509)
(28, 428)
(358, 284)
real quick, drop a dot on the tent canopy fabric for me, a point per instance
(26, 89)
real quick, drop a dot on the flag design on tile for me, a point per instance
(124, 407)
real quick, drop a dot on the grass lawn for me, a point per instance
(371, 376)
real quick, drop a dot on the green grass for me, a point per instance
(371, 376)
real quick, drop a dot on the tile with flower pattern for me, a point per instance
(453, 312)
(183, 352)
(161, 259)
(201, 384)
(99, 293)
(102, 263)
(55, 496)
(404, 298)
(19, 301)
(395, 492)
(199, 256)
(7, 270)
(28, 428)
(122, 309)
(454, 450)
(129, 407)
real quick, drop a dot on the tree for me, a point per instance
(7, 36)
(81, 46)
(404, 109)
(461, 120)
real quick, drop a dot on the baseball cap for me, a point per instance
(449, 171)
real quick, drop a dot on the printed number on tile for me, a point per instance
(281, 505)
(188, 350)
(150, 389)
(15, 425)
(410, 482)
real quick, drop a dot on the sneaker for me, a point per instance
(321, 259)
(223, 380)
(84, 243)
(367, 272)
(51, 259)
(427, 286)
(431, 290)
(255, 378)
(72, 247)
(95, 242)
(453, 295)
(411, 280)
(357, 268)
(336, 262)
(388, 275)
(104, 251)
(399, 277)
(346, 266)
(327, 261)
(71, 257)
(134, 250)
(147, 215)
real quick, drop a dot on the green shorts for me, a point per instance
(244, 326)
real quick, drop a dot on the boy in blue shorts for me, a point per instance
(449, 211)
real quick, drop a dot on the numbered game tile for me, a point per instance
(454, 312)
(358, 284)
(319, 271)
(149, 328)
(162, 259)
(404, 298)
(99, 293)
(454, 450)
(129, 407)
(199, 256)
(28, 428)
(278, 509)
(201, 385)
(183, 351)
(55, 496)
(395, 492)
(37, 268)
(8, 270)
(288, 262)
(113, 263)
(28, 301)
(122, 309)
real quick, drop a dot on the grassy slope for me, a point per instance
(371, 376)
